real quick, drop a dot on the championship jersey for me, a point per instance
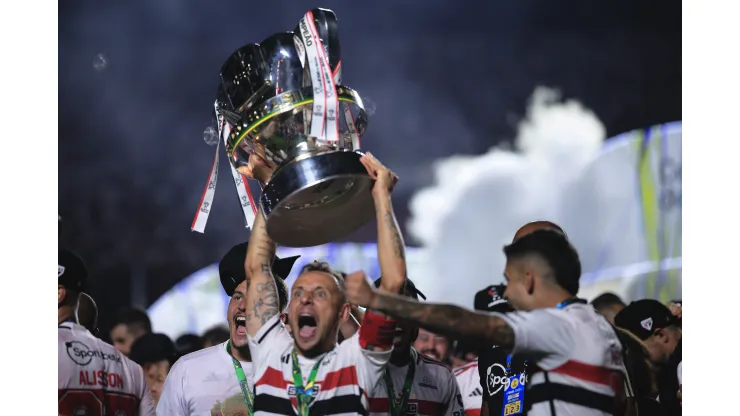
(577, 358)
(95, 379)
(343, 378)
(468, 381)
(204, 383)
(434, 390)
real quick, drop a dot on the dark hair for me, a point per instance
(555, 249)
(151, 348)
(134, 318)
(187, 343)
(606, 300)
(215, 335)
(641, 372)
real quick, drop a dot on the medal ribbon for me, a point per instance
(567, 302)
(243, 384)
(303, 395)
(398, 403)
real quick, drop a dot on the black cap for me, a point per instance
(187, 343)
(72, 270)
(644, 317)
(410, 289)
(151, 348)
(231, 267)
(491, 299)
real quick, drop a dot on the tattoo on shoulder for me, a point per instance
(398, 247)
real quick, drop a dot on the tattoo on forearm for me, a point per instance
(448, 319)
(392, 225)
(266, 305)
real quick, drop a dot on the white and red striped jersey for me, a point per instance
(96, 379)
(468, 381)
(434, 390)
(343, 379)
(577, 356)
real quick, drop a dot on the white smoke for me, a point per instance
(478, 202)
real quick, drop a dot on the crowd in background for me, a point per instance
(334, 344)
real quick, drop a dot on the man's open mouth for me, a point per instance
(306, 325)
(240, 323)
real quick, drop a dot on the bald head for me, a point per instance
(535, 226)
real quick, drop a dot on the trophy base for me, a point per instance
(317, 199)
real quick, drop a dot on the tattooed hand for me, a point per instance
(385, 179)
(357, 289)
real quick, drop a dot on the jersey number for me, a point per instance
(96, 403)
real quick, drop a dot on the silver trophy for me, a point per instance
(284, 102)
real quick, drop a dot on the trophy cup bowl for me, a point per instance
(319, 191)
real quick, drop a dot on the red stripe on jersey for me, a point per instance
(588, 372)
(472, 412)
(464, 368)
(346, 376)
(424, 407)
(273, 378)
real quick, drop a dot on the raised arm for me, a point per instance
(439, 318)
(391, 249)
(262, 298)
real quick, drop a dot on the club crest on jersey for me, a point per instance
(647, 324)
(314, 391)
(61, 270)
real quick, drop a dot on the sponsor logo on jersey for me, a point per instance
(496, 378)
(426, 382)
(82, 355)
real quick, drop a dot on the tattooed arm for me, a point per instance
(391, 249)
(446, 319)
(262, 298)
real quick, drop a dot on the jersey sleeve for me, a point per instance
(455, 406)
(542, 333)
(146, 406)
(272, 338)
(172, 401)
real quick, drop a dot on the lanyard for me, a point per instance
(567, 302)
(243, 383)
(304, 396)
(398, 403)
